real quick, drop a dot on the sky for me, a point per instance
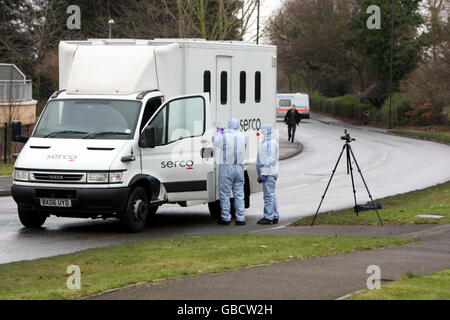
(268, 7)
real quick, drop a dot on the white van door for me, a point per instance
(223, 91)
(182, 158)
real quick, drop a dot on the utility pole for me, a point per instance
(390, 66)
(257, 22)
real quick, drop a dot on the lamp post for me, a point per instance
(257, 22)
(110, 23)
(390, 65)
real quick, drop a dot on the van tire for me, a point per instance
(152, 211)
(216, 210)
(151, 214)
(30, 218)
(134, 217)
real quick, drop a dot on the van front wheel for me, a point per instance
(134, 217)
(31, 218)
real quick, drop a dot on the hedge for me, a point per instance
(346, 106)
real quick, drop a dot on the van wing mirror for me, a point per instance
(16, 132)
(147, 139)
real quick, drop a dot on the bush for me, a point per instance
(400, 107)
(425, 114)
(346, 106)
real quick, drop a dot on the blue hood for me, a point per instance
(266, 130)
(233, 124)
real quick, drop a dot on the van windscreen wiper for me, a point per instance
(106, 133)
(65, 132)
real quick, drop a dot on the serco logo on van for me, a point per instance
(250, 124)
(188, 164)
(69, 157)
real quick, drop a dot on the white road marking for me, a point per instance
(350, 294)
(276, 228)
(335, 177)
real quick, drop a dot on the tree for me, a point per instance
(375, 44)
(430, 82)
(312, 54)
(212, 20)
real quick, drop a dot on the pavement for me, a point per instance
(329, 277)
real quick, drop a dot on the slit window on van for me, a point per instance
(224, 87)
(243, 87)
(207, 82)
(258, 87)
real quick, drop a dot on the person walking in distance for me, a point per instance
(233, 145)
(292, 119)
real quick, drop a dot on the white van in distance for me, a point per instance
(131, 128)
(285, 102)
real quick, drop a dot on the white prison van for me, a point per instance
(285, 101)
(131, 127)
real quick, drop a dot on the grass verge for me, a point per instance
(400, 209)
(433, 286)
(6, 169)
(436, 136)
(125, 264)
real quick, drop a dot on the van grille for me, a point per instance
(56, 177)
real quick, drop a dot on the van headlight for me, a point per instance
(97, 177)
(104, 177)
(21, 175)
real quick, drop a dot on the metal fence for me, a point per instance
(8, 147)
(15, 91)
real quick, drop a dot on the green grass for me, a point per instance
(6, 169)
(400, 209)
(132, 263)
(433, 286)
(437, 136)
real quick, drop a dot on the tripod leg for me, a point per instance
(365, 184)
(329, 182)
(349, 165)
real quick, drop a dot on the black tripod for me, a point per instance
(349, 153)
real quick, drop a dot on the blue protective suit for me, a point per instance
(267, 166)
(233, 145)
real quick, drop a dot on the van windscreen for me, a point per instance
(90, 119)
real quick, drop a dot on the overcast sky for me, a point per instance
(267, 9)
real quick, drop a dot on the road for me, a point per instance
(390, 164)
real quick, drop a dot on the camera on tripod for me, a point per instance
(347, 137)
(350, 159)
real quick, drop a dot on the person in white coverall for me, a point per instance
(233, 145)
(267, 169)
